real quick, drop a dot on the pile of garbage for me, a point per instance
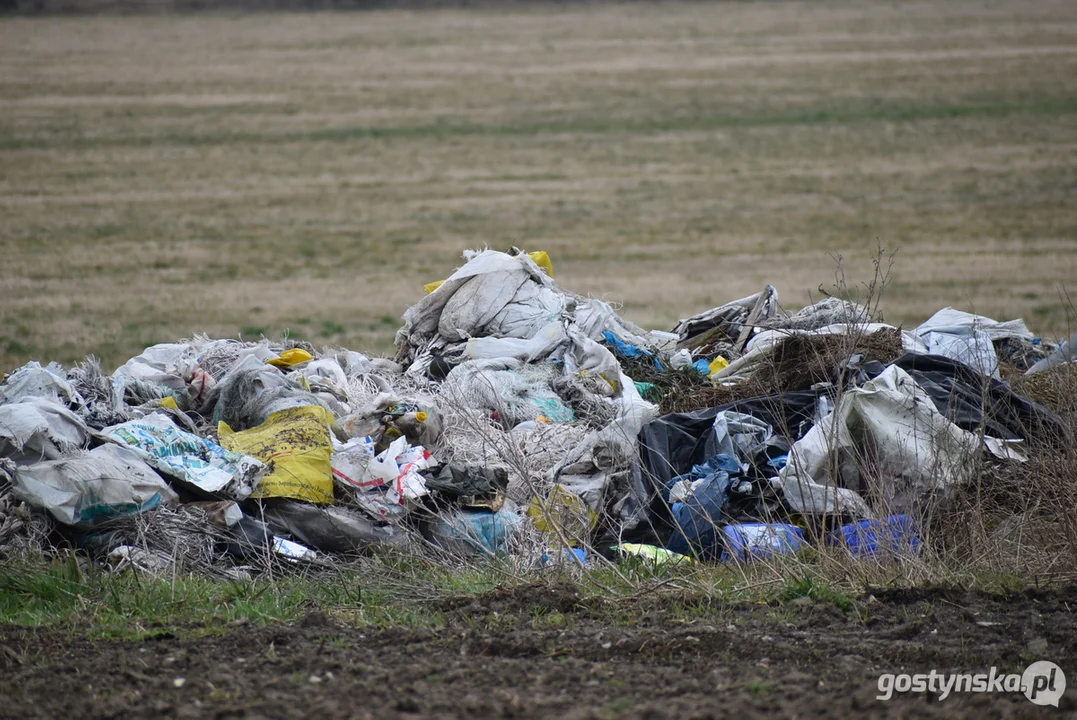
(520, 419)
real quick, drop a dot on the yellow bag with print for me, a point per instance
(296, 445)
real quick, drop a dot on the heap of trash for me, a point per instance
(520, 419)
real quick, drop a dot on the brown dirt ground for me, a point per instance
(541, 652)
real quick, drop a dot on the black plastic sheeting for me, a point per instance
(976, 402)
(672, 444)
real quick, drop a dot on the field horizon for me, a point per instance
(240, 174)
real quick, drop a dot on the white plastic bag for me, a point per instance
(37, 429)
(49, 383)
(187, 457)
(87, 488)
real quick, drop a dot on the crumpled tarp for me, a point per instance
(890, 428)
(672, 444)
(471, 480)
(969, 338)
(502, 297)
(330, 529)
(948, 317)
(493, 294)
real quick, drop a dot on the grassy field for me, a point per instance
(241, 174)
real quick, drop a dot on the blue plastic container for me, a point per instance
(895, 534)
(749, 541)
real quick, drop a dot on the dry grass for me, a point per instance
(798, 362)
(248, 173)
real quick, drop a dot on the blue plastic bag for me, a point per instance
(476, 532)
(696, 520)
(623, 349)
(868, 538)
(756, 540)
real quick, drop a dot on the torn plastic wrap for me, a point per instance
(513, 391)
(37, 429)
(546, 341)
(594, 364)
(970, 339)
(965, 343)
(159, 366)
(200, 463)
(130, 557)
(889, 428)
(464, 482)
(252, 391)
(384, 484)
(331, 529)
(672, 444)
(1066, 352)
(977, 403)
(607, 454)
(476, 533)
(595, 318)
(86, 488)
(753, 541)
(696, 502)
(828, 311)
(48, 383)
(743, 436)
(948, 317)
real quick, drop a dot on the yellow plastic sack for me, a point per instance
(288, 358)
(563, 509)
(295, 443)
(717, 364)
(540, 258)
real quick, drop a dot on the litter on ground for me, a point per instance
(520, 419)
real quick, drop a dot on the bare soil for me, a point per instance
(542, 652)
